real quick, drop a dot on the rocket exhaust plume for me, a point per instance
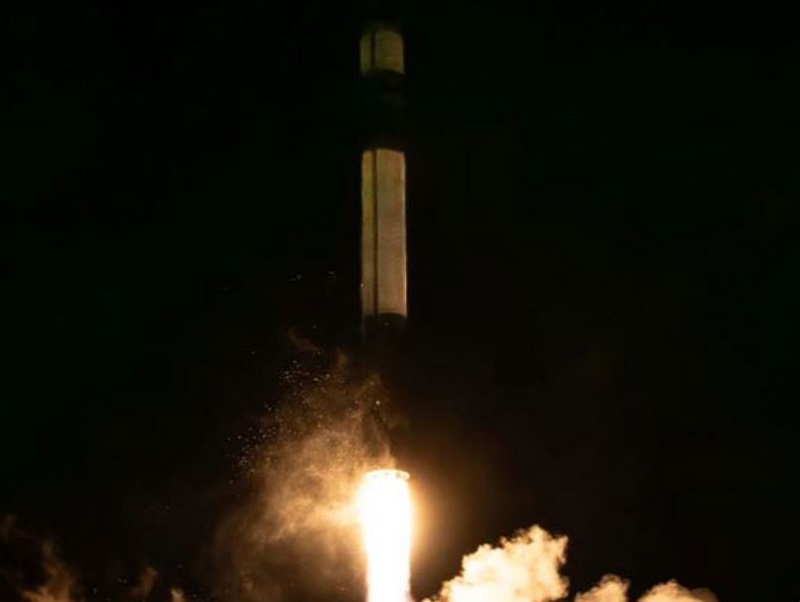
(384, 505)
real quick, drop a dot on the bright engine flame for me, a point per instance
(385, 509)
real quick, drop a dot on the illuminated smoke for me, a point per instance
(147, 579)
(59, 584)
(40, 574)
(672, 592)
(526, 568)
(295, 532)
(610, 589)
(384, 506)
(176, 595)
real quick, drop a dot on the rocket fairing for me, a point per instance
(383, 181)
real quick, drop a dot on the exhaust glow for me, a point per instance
(384, 505)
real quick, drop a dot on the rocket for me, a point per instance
(384, 304)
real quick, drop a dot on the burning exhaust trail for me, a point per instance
(384, 505)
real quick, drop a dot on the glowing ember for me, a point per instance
(385, 510)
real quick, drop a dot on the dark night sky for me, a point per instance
(604, 226)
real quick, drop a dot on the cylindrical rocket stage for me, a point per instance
(383, 180)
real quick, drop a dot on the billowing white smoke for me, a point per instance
(610, 589)
(526, 568)
(672, 592)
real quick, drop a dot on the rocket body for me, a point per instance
(384, 304)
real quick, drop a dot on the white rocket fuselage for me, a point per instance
(383, 182)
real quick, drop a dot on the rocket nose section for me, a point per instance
(382, 49)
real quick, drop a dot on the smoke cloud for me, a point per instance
(32, 569)
(672, 592)
(526, 568)
(147, 579)
(295, 532)
(610, 589)
(60, 583)
(176, 595)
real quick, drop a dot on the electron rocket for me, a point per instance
(384, 305)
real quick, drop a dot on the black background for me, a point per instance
(603, 272)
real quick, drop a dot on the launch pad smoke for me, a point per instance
(32, 569)
(294, 532)
(527, 568)
(325, 438)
